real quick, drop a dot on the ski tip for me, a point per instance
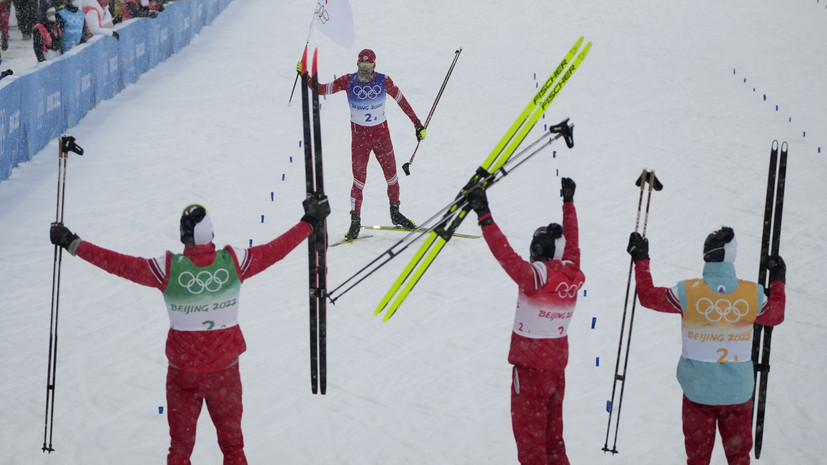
(304, 61)
(315, 56)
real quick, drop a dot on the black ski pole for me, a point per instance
(654, 184)
(763, 365)
(66, 144)
(406, 167)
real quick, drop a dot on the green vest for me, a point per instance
(202, 298)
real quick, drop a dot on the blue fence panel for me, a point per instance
(78, 90)
(10, 127)
(42, 106)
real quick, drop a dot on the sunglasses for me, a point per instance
(365, 65)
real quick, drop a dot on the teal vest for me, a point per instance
(202, 298)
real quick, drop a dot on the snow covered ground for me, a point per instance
(677, 87)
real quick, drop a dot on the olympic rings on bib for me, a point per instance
(367, 92)
(204, 280)
(567, 290)
(722, 309)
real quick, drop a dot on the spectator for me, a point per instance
(47, 38)
(98, 18)
(26, 13)
(548, 284)
(715, 369)
(201, 288)
(5, 12)
(138, 9)
(72, 24)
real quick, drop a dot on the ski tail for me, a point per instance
(495, 161)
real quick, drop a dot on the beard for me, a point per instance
(364, 76)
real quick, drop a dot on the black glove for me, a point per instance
(638, 247)
(62, 236)
(115, 35)
(316, 209)
(777, 269)
(9, 72)
(567, 189)
(420, 130)
(478, 202)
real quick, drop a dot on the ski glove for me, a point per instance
(62, 236)
(316, 209)
(638, 247)
(420, 130)
(777, 269)
(567, 189)
(478, 202)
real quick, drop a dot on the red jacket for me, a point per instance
(198, 351)
(553, 291)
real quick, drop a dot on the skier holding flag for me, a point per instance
(366, 93)
(715, 370)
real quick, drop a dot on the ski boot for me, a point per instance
(355, 226)
(399, 220)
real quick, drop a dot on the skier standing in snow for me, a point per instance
(548, 286)
(201, 288)
(715, 370)
(366, 94)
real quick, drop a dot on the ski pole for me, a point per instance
(406, 167)
(66, 144)
(444, 216)
(654, 184)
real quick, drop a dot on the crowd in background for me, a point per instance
(55, 26)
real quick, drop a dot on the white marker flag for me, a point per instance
(335, 19)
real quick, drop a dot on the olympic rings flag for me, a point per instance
(335, 19)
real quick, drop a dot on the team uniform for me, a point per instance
(715, 370)
(539, 340)
(201, 290)
(369, 129)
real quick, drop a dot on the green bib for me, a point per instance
(202, 298)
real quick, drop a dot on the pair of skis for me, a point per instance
(488, 173)
(770, 242)
(65, 145)
(439, 229)
(317, 242)
(646, 178)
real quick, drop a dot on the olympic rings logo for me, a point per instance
(565, 290)
(367, 92)
(322, 13)
(204, 280)
(722, 309)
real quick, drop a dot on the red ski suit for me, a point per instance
(539, 344)
(370, 136)
(203, 365)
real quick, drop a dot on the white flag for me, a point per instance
(335, 19)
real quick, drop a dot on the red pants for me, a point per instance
(186, 392)
(733, 421)
(537, 415)
(4, 17)
(365, 139)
